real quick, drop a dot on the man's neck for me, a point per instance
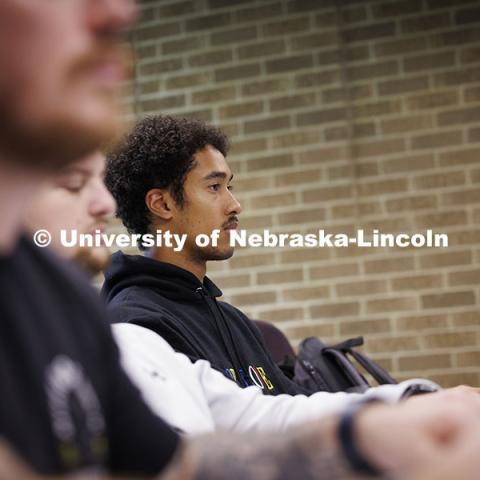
(198, 268)
(17, 187)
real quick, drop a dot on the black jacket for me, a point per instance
(175, 304)
(66, 404)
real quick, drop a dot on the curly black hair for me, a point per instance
(158, 153)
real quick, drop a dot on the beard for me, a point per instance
(50, 132)
(212, 254)
(93, 260)
(54, 144)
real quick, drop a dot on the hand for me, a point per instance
(405, 438)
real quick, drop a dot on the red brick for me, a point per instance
(317, 79)
(208, 22)
(418, 202)
(265, 87)
(355, 327)
(407, 124)
(237, 72)
(227, 3)
(256, 298)
(281, 314)
(379, 148)
(425, 362)
(335, 310)
(184, 44)
(455, 37)
(460, 157)
(327, 193)
(262, 11)
(234, 36)
(211, 58)
(417, 282)
(439, 180)
(243, 109)
(363, 288)
(437, 260)
(450, 340)
(458, 77)
(383, 187)
(424, 23)
(389, 265)
(302, 216)
(160, 104)
(331, 271)
(286, 64)
(369, 32)
(190, 80)
(432, 100)
(429, 61)
(353, 54)
(283, 27)
(455, 117)
(467, 15)
(155, 68)
(442, 219)
(175, 9)
(396, 8)
(297, 177)
(347, 93)
(435, 140)
(470, 55)
(400, 46)
(474, 135)
(262, 49)
(462, 197)
(302, 138)
(280, 276)
(409, 163)
(314, 40)
(325, 115)
(404, 85)
(374, 70)
(321, 155)
(214, 95)
(269, 162)
(271, 123)
(417, 323)
(377, 108)
(468, 277)
(157, 31)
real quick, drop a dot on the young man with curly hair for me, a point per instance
(171, 174)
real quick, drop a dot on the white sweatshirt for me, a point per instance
(195, 398)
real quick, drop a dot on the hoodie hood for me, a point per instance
(173, 282)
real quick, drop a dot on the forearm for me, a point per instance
(309, 453)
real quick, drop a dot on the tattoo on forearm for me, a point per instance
(306, 454)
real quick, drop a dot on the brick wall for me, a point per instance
(343, 115)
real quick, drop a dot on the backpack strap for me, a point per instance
(380, 375)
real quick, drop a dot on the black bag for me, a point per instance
(320, 367)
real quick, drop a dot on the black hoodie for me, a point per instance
(172, 302)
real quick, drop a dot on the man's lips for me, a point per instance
(231, 226)
(98, 229)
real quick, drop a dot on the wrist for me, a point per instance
(351, 437)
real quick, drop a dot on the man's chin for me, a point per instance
(61, 139)
(93, 260)
(218, 255)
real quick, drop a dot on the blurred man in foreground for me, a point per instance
(67, 407)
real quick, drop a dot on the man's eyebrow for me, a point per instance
(73, 169)
(217, 174)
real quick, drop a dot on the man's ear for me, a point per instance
(160, 203)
